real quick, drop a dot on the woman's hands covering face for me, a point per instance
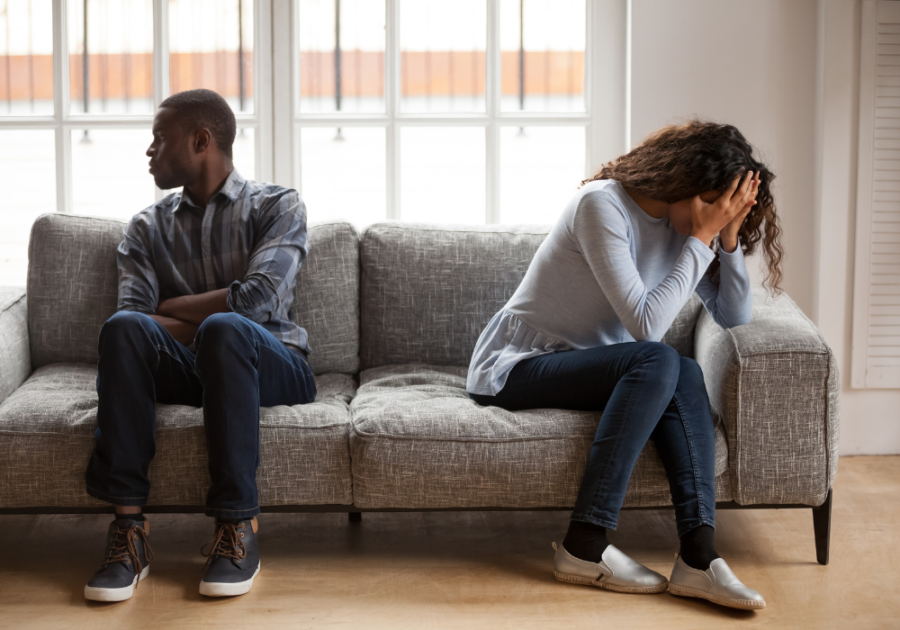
(725, 215)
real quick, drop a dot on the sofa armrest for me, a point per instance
(15, 356)
(774, 383)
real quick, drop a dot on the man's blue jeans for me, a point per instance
(645, 391)
(238, 367)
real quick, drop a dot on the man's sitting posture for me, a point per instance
(206, 278)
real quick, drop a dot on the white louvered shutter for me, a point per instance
(876, 299)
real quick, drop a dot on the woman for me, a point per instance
(677, 214)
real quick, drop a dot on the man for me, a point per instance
(206, 278)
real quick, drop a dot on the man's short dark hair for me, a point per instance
(205, 109)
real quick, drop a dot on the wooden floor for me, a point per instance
(481, 569)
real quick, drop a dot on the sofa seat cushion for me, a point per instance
(418, 441)
(47, 435)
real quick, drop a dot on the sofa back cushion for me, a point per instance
(428, 291)
(73, 289)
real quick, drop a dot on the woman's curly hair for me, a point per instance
(682, 161)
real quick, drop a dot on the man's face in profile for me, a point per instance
(172, 158)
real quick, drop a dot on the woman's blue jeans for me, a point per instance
(646, 391)
(238, 367)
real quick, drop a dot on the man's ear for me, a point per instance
(202, 140)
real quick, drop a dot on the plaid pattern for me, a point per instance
(251, 238)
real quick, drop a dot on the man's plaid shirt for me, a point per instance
(251, 238)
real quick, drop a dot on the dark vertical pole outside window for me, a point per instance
(30, 59)
(8, 78)
(521, 54)
(241, 56)
(85, 69)
(522, 60)
(337, 62)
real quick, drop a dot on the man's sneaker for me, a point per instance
(233, 559)
(127, 562)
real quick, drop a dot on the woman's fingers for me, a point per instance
(745, 185)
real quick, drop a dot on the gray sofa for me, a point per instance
(392, 317)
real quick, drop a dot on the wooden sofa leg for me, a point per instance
(822, 527)
(355, 517)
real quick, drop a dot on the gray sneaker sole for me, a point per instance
(95, 594)
(227, 589)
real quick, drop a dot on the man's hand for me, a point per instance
(194, 308)
(728, 210)
(182, 331)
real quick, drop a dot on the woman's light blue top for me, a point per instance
(607, 273)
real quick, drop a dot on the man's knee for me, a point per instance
(123, 324)
(219, 329)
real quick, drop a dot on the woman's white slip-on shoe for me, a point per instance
(615, 572)
(718, 584)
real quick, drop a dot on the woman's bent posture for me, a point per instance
(677, 214)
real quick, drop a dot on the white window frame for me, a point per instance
(606, 118)
(63, 122)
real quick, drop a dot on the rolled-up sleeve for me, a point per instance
(268, 285)
(138, 283)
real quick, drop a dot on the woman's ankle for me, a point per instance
(586, 541)
(698, 547)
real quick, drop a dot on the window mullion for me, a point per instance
(160, 60)
(392, 103)
(263, 47)
(608, 45)
(61, 108)
(492, 130)
(286, 162)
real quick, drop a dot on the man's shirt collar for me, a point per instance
(232, 188)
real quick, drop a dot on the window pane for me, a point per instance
(356, 56)
(110, 175)
(442, 174)
(442, 55)
(343, 176)
(118, 75)
(26, 57)
(211, 46)
(244, 152)
(548, 36)
(540, 169)
(26, 159)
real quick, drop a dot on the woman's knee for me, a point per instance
(690, 374)
(663, 358)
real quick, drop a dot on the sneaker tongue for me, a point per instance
(126, 521)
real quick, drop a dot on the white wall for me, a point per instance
(870, 419)
(785, 72)
(751, 65)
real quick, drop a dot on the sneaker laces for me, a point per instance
(226, 543)
(124, 547)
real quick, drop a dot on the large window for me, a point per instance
(449, 111)
(464, 111)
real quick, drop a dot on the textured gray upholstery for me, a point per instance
(47, 434)
(775, 383)
(405, 303)
(73, 285)
(418, 441)
(428, 292)
(15, 357)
